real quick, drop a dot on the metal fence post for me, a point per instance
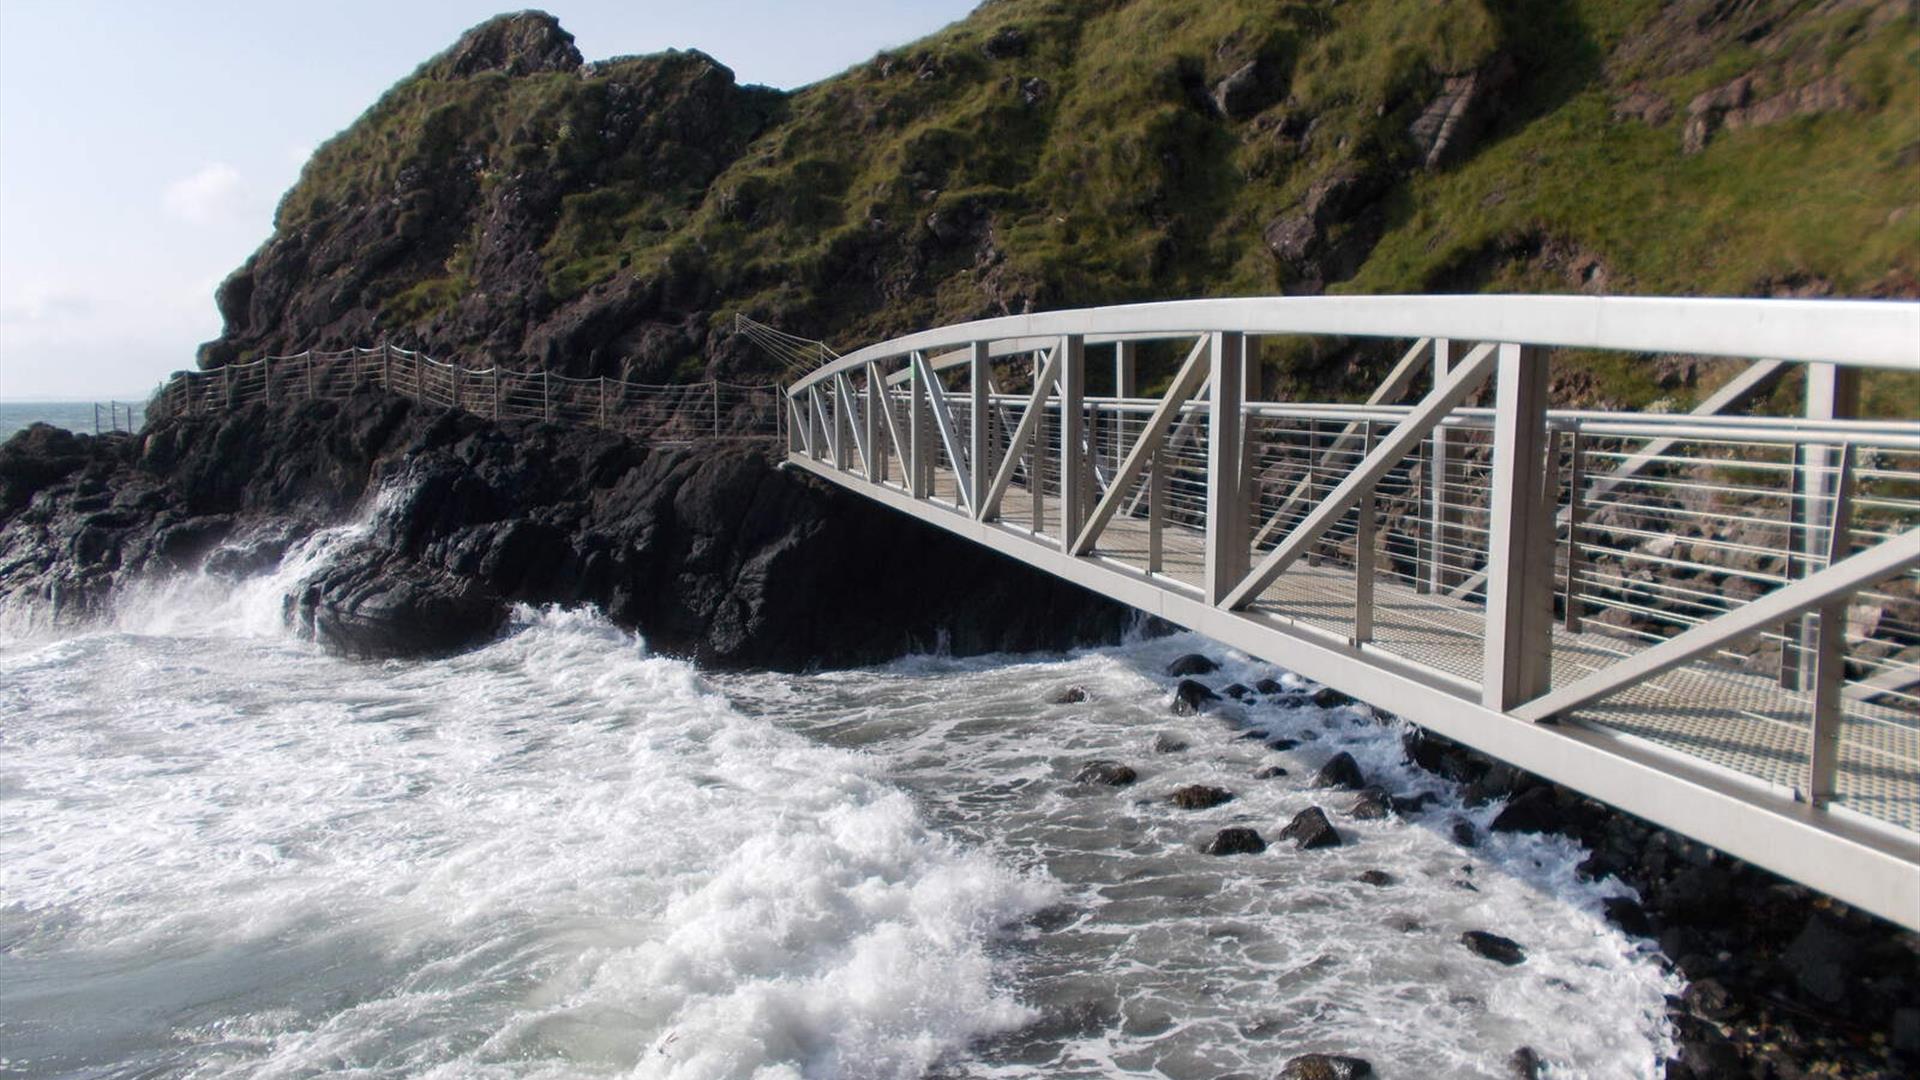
(309, 355)
(1576, 523)
(1830, 644)
(1519, 609)
(716, 408)
(1228, 534)
(546, 395)
(1363, 543)
(1073, 478)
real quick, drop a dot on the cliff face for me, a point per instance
(509, 203)
(713, 554)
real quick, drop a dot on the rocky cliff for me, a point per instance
(508, 202)
(714, 554)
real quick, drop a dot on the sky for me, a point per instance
(143, 146)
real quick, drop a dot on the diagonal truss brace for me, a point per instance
(1185, 384)
(943, 419)
(1850, 575)
(843, 386)
(1443, 399)
(989, 506)
(1388, 392)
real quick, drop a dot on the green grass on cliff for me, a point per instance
(1088, 165)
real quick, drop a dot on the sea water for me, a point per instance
(224, 852)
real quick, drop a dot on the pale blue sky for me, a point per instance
(143, 146)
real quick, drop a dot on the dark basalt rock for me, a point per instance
(1192, 664)
(1379, 879)
(1282, 745)
(1164, 743)
(1269, 687)
(1494, 947)
(1524, 1064)
(1072, 695)
(1310, 829)
(1465, 834)
(1340, 772)
(1269, 772)
(1532, 811)
(1628, 915)
(1191, 698)
(1110, 773)
(1325, 1067)
(1199, 797)
(1372, 805)
(1235, 840)
(1328, 698)
(1236, 691)
(713, 552)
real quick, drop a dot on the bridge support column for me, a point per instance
(1073, 459)
(1520, 527)
(1229, 537)
(980, 436)
(1441, 535)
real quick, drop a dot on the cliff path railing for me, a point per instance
(1708, 619)
(661, 414)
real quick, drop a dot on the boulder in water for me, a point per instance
(1341, 772)
(1494, 947)
(1192, 664)
(1072, 695)
(1269, 687)
(1110, 773)
(1164, 743)
(1191, 698)
(1235, 840)
(1269, 772)
(1326, 1067)
(1199, 797)
(1310, 829)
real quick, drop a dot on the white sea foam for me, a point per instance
(557, 854)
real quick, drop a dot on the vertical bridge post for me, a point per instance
(1228, 534)
(1073, 471)
(1520, 527)
(979, 435)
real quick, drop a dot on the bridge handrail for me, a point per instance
(1865, 333)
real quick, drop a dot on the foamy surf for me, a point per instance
(554, 855)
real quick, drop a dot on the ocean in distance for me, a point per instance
(72, 415)
(224, 852)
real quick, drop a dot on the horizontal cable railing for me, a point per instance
(658, 413)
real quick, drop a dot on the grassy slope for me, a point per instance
(1117, 183)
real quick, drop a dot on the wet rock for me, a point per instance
(375, 606)
(1379, 879)
(1236, 691)
(1192, 664)
(1199, 797)
(1627, 914)
(1269, 687)
(1328, 698)
(1282, 745)
(1494, 947)
(1465, 834)
(1340, 772)
(1413, 804)
(1310, 829)
(1372, 805)
(1191, 698)
(1710, 1000)
(1532, 811)
(1820, 958)
(1325, 1067)
(1235, 840)
(1110, 773)
(1269, 772)
(1164, 743)
(1524, 1064)
(1072, 695)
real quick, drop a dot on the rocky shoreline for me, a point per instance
(719, 555)
(1782, 982)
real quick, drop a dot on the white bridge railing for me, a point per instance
(659, 413)
(1710, 619)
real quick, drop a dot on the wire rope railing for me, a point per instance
(658, 413)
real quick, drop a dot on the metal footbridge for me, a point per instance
(1710, 619)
